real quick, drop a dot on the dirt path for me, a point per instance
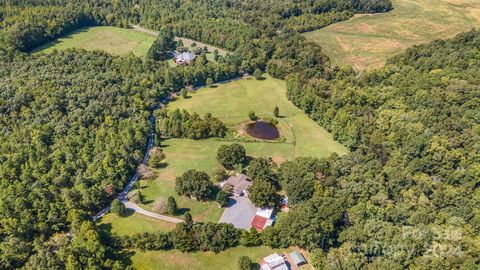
(139, 210)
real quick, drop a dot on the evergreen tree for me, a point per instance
(171, 208)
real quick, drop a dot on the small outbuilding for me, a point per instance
(274, 262)
(298, 258)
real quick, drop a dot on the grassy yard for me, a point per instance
(231, 103)
(114, 40)
(226, 260)
(366, 41)
(132, 224)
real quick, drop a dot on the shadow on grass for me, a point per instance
(162, 165)
(107, 239)
(128, 212)
(182, 211)
(256, 266)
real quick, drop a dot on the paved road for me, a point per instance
(138, 209)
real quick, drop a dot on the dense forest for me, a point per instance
(409, 192)
(73, 129)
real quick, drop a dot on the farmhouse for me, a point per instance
(184, 58)
(239, 183)
(274, 262)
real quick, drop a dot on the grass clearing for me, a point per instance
(114, 40)
(132, 224)
(225, 260)
(366, 41)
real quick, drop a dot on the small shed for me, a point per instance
(298, 258)
(274, 262)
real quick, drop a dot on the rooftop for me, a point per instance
(298, 258)
(259, 222)
(240, 183)
(274, 262)
(185, 57)
(265, 212)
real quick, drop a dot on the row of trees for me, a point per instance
(182, 124)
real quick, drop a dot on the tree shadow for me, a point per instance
(182, 211)
(231, 202)
(162, 165)
(148, 201)
(128, 212)
(125, 256)
(256, 266)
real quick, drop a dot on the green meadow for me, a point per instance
(114, 40)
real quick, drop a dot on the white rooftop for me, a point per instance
(274, 260)
(264, 212)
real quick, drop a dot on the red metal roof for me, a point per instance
(258, 222)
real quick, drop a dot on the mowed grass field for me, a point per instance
(225, 260)
(231, 102)
(367, 41)
(132, 224)
(114, 40)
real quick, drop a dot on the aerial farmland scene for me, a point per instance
(240, 134)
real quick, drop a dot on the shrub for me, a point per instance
(118, 208)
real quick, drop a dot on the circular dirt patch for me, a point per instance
(262, 130)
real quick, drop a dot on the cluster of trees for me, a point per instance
(231, 155)
(195, 184)
(263, 191)
(163, 44)
(182, 124)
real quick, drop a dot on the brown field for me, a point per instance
(366, 41)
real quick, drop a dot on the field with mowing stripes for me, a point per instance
(366, 41)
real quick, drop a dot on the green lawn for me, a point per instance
(366, 41)
(114, 40)
(225, 260)
(132, 224)
(231, 103)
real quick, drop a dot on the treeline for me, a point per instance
(182, 124)
(410, 186)
(187, 236)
